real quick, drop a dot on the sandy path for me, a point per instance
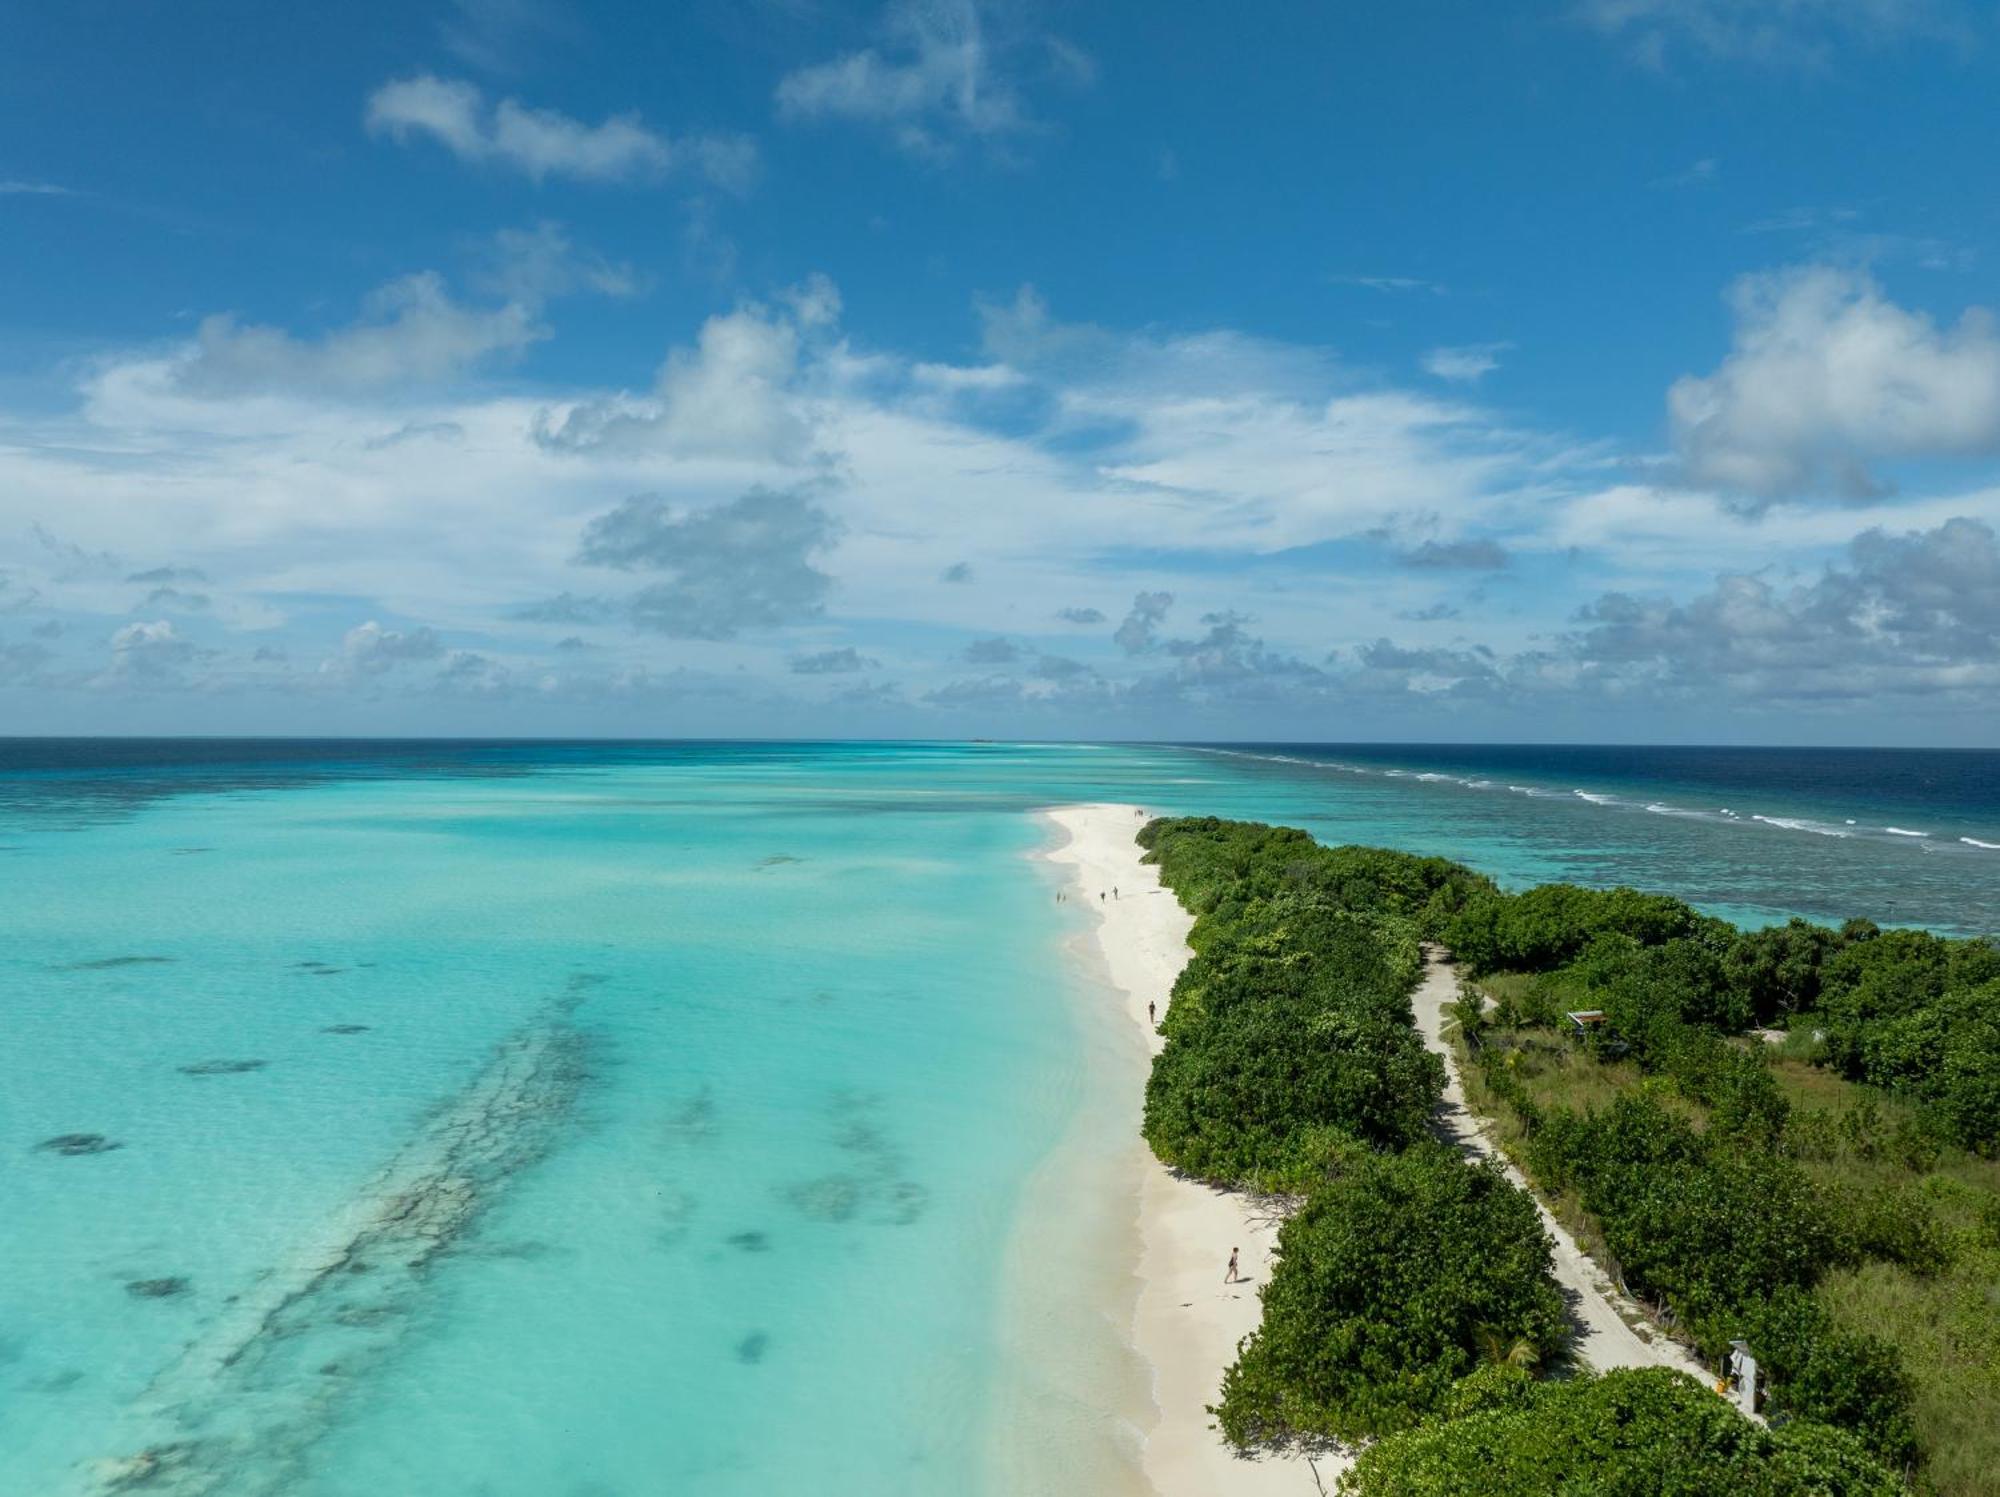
(1604, 1318)
(1188, 1321)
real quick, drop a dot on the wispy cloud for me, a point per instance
(1466, 364)
(941, 75)
(1703, 173)
(1789, 33)
(545, 143)
(1388, 283)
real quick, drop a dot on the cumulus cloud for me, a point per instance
(1916, 613)
(841, 662)
(370, 650)
(1826, 376)
(1466, 364)
(1136, 634)
(994, 651)
(1469, 555)
(739, 392)
(169, 574)
(467, 673)
(412, 332)
(545, 143)
(940, 76)
(148, 656)
(1080, 615)
(172, 599)
(958, 571)
(744, 564)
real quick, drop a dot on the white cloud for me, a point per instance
(1388, 283)
(1827, 376)
(370, 650)
(533, 266)
(1466, 364)
(16, 188)
(1795, 33)
(1074, 465)
(736, 393)
(411, 332)
(548, 143)
(939, 77)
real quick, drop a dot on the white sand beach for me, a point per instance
(1187, 1320)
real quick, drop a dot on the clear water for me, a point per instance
(638, 1119)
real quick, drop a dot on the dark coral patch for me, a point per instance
(222, 1067)
(156, 1288)
(750, 1350)
(108, 963)
(750, 1242)
(345, 1029)
(78, 1143)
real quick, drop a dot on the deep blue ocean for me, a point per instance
(595, 1120)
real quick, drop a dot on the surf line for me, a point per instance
(238, 1410)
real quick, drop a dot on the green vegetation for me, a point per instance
(1833, 1200)
(1395, 1279)
(1291, 1064)
(1652, 1433)
(1412, 1300)
(1914, 1014)
(1292, 940)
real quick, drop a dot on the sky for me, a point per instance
(1592, 370)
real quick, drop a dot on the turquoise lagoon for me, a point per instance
(591, 1121)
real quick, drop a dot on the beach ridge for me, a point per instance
(1187, 1320)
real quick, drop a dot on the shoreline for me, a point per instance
(1185, 1321)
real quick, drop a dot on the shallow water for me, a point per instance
(557, 1119)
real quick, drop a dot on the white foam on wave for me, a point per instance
(1594, 798)
(1975, 842)
(1796, 824)
(1661, 808)
(1900, 831)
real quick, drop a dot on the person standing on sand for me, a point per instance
(1232, 1276)
(1149, 1015)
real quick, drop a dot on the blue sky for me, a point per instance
(1603, 369)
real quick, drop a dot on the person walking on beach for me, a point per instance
(1149, 1015)
(1114, 891)
(1232, 1276)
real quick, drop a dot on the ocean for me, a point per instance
(594, 1120)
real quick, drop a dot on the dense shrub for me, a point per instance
(1549, 925)
(1819, 1371)
(1393, 1281)
(1704, 1227)
(1650, 1433)
(1292, 1020)
(1291, 1063)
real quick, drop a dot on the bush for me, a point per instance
(1551, 924)
(1293, 1017)
(1820, 1372)
(1392, 1282)
(1634, 1433)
